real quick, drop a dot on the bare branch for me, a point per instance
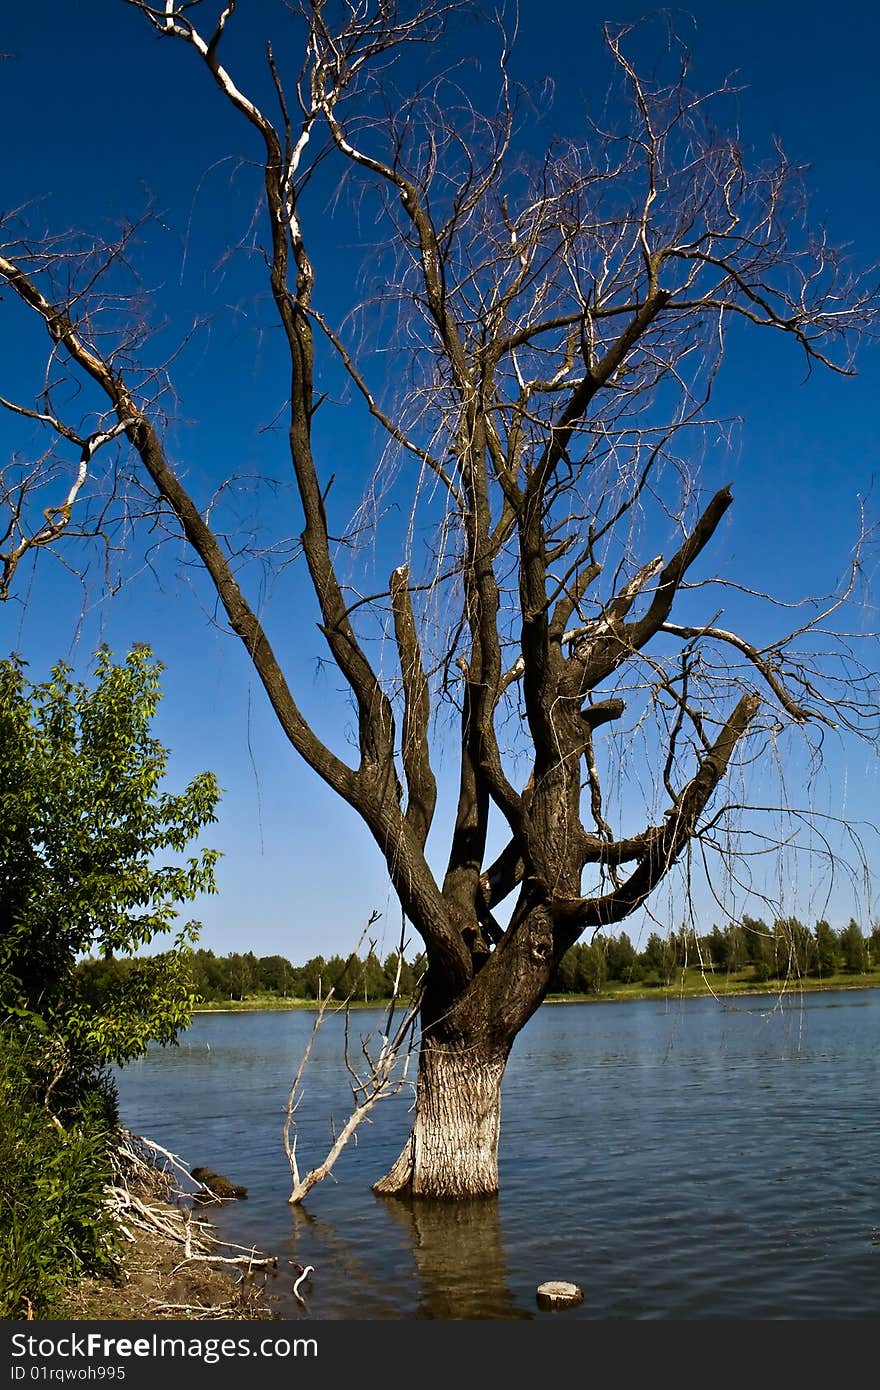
(416, 753)
(386, 1075)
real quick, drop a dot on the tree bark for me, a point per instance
(453, 1149)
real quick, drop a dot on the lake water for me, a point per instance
(688, 1159)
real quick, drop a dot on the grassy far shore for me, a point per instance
(688, 983)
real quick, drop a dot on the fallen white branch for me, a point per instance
(246, 1262)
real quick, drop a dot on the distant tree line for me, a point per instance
(751, 949)
(242, 975)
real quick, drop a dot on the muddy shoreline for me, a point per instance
(154, 1282)
(172, 1264)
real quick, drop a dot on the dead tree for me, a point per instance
(558, 325)
(379, 1073)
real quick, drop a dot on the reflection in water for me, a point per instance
(450, 1262)
(334, 1252)
(459, 1257)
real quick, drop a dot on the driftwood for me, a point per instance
(146, 1195)
(197, 1312)
(309, 1269)
(245, 1262)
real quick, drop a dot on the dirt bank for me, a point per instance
(173, 1264)
(155, 1281)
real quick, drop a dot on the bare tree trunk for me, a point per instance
(453, 1149)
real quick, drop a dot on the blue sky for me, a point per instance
(99, 115)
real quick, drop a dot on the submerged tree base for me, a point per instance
(452, 1152)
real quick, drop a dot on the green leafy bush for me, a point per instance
(92, 859)
(54, 1221)
(92, 853)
